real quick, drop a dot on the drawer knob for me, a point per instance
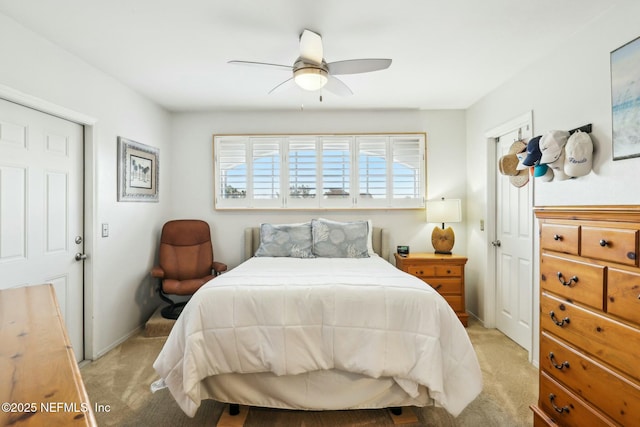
(557, 237)
(437, 287)
(552, 398)
(603, 243)
(560, 323)
(560, 366)
(574, 279)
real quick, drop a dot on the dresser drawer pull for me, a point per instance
(564, 409)
(555, 319)
(561, 366)
(557, 237)
(603, 243)
(574, 279)
(437, 287)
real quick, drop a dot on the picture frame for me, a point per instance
(625, 100)
(138, 166)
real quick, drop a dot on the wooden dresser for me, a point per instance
(589, 316)
(40, 383)
(445, 274)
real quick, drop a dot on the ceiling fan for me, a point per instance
(311, 72)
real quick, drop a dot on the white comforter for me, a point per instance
(288, 316)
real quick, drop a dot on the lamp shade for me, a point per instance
(444, 210)
(310, 78)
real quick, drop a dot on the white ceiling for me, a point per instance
(446, 54)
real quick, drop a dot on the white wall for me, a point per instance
(120, 263)
(567, 89)
(192, 163)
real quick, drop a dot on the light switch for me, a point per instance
(105, 230)
(482, 225)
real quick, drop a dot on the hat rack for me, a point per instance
(585, 128)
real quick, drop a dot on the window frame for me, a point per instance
(320, 201)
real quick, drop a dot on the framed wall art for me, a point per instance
(625, 100)
(137, 171)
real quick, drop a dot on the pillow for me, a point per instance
(285, 240)
(332, 239)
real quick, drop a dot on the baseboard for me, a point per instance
(118, 342)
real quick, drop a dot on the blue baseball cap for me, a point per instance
(533, 152)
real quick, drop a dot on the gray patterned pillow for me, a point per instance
(332, 239)
(285, 240)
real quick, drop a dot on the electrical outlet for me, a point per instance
(105, 230)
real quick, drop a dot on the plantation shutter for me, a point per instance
(336, 171)
(231, 177)
(408, 171)
(265, 167)
(303, 177)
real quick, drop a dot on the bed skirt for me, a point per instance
(308, 391)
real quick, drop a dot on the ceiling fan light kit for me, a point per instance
(311, 72)
(310, 78)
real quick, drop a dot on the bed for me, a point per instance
(319, 333)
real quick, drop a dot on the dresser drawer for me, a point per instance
(445, 285)
(435, 270)
(623, 294)
(566, 408)
(610, 244)
(575, 280)
(605, 339)
(615, 395)
(560, 238)
(455, 301)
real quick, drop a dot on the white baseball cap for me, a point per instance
(578, 159)
(551, 145)
(558, 167)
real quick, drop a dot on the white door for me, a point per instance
(514, 252)
(41, 208)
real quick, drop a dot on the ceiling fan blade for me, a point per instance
(355, 66)
(311, 47)
(337, 86)
(290, 79)
(260, 64)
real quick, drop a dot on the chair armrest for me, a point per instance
(218, 267)
(157, 272)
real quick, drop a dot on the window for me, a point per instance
(319, 171)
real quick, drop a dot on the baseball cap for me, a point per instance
(551, 145)
(579, 154)
(533, 152)
(558, 168)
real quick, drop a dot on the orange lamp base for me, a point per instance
(443, 240)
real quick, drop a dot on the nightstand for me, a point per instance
(444, 273)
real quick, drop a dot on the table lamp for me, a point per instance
(442, 211)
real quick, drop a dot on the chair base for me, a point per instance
(173, 311)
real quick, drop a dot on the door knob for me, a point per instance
(81, 257)
(496, 243)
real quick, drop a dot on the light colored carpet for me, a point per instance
(158, 326)
(121, 380)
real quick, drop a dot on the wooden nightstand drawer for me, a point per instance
(455, 301)
(610, 244)
(445, 285)
(422, 270)
(435, 270)
(560, 238)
